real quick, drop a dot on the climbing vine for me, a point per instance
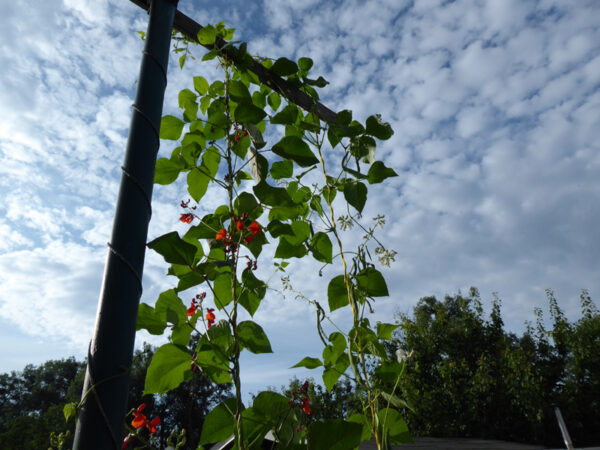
(272, 198)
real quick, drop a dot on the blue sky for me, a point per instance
(496, 112)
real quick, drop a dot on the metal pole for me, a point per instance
(563, 429)
(101, 418)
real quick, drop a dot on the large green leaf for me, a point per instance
(199, 177)
(167, 171)
(167, 369)
(245, 203)
(222, 288)
(274, 100)
(294, 148)
(170, 307)
(282, 169)
(219, 424)
(174, 249)
(287, 115)
(376, 127)
(171, 128)
(332, 373)
(385, 330)
(334, 435)
(371, 281)
(187, 102)
(272, 196)
(200, 85)
(284, 67)
(207, 35)
(321, 247)
(393, 423)
(287, 249)
(337, 294)
(355, 193)
(239, 92)
(250, 301)
(253, 337)
(308, 362)
(379, 172)
(247, 112)
(363, 148)
(305, 64)
(362, 420)
(148, 319)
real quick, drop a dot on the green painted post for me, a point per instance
(101, 418)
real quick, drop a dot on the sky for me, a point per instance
(496, 111)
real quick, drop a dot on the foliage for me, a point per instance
(467, 377)
(271, 194)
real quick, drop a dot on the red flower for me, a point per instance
(254, 228)
(240, 225)
(192, 309)
(245, 133)
(237, 138)
(126, 441)
(139, 419)
(222, 234)
(248, 239)
(306, 406)
(186, 218)
(210, 317)
(154, 423)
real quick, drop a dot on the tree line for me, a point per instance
(465, 376)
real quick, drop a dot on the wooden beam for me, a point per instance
(190, 28)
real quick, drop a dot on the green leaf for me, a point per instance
(259, 99)
(272, 196)
(305, 64)
(343, 118)
(319, 82)
(199, 178)
(253, 284)
(332, 374)
(247, 112)
(294, 148)
(201, 85)
(253, 337)
(372, 282)
(148, 319)
(167, 171)
(256, 136)
(70, 410)
(385, 330)
(167, 369)
(245, 203)
(321, 247)
(171, 128)
(250, 301)
(287, 115)
(334, 435)
(274, 101)
(309, 363)
(239, 92)
(379, 172)
(219, 424)
(337, 294)
(363, 148)
(182, 60)
(388, 371)
(207, 35)
(284, 67)
(271, 404)
(282, 169)
(381, 130)
(222, 288)
(217, 89)
(286, 249)
(362, 420)
(174, 249)
(355, 193)
(393, 423)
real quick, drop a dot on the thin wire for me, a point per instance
(128, 264)
(141, 188)
(162, 69)
(143, 114)
(97, 397)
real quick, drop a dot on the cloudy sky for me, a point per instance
(496, 112)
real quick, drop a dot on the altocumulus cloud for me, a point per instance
(495, 107)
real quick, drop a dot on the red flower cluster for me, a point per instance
(140, 420)
(186, 218)
(240, 134)
(196, 301)
(300, 399)
(210, 317)
(229, 240)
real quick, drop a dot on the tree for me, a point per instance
(468, 377)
